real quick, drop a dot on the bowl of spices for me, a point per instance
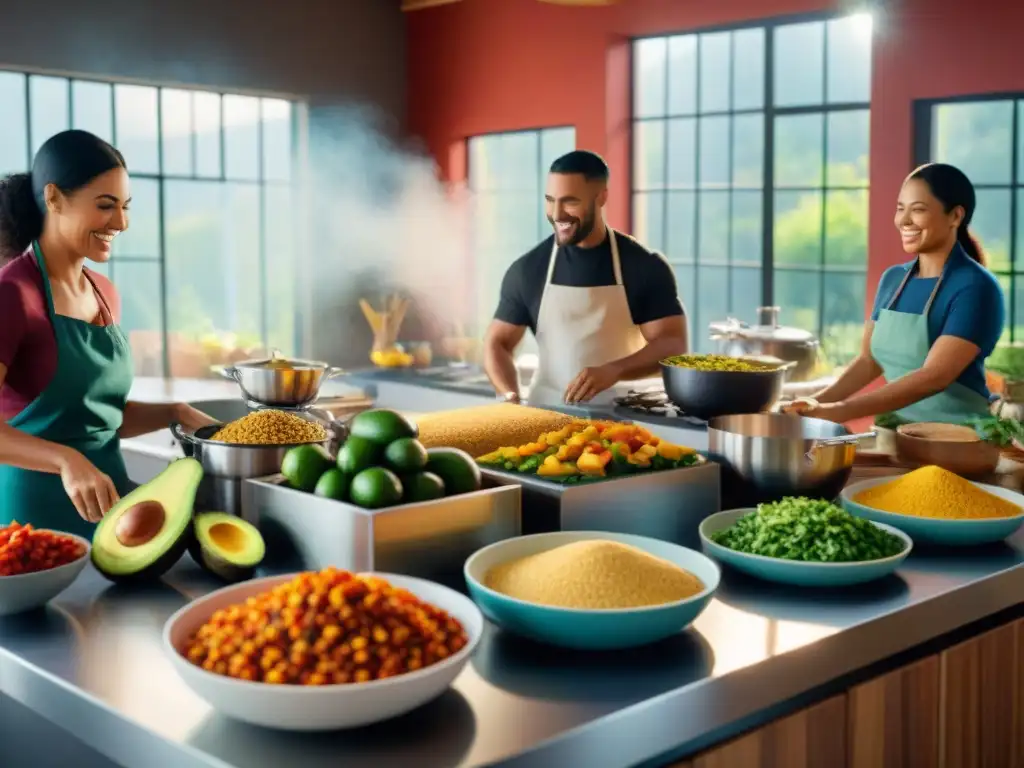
(934, 505)
(804, 542)
(706, 386)
(591, 590)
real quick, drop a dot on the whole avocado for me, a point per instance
(382, 426)
(456, 468)
(358, 453)
(375, 487)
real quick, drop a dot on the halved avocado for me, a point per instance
(226, 546)
(148, 530)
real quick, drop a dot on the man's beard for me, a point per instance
(583, 228)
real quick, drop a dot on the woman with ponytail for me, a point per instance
(936, 318)
(65, 364)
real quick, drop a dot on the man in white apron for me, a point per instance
(603, 308)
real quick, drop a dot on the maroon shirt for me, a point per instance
(28, 347)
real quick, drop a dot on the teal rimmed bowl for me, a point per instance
(940, 530)
(586, 629)
(800, 573)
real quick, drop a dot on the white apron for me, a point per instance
(580, 328)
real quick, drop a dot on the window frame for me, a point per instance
(297, 124)
(768, 187)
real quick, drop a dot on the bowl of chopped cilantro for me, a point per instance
(804, 542)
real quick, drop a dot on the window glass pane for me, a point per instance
(142, 238)
(797, 292)
(105, 268)
(797, 228)
(649, 57)
(241, 137)
(799, 64)
(554, 142)
(714, 152)
(649, 219)
(991, 225)
(849, 58)
(141, 315)
(686, 286)
(206, 115)
(745, 293)
(682, 75)
(715, 53)
(798, 150)
(48, 100)
(176, 130)
(136, 112)
(482, 156)
(748, 69)
(843, 324)
(1011, 332)
(682, 153)
(849, 135)
(277, 139)
(1016, 327)
(976, 137)
(649, 154)
(282, 302)
(748, 150)
(680, 247)
(846, 227)
(747, 233)
(713, 286)
(93, 108)
(517, 161)
(1020, 145)
(13, 127)
(1018, 256)
(714, 228)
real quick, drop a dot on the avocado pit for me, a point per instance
(140, 523)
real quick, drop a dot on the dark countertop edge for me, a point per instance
(673, 726)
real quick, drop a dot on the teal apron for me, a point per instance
(82, 408)
(900, 344)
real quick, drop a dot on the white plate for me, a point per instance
(31, 590)
(327, 707)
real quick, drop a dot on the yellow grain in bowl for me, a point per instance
(936, 492)
(595, 575)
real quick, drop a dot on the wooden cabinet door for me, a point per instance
(894, 719)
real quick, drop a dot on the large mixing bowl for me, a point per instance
(706, 394)
(280, 382)
(767, 456)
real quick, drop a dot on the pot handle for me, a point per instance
(839, 440)
(333, 371)
(228, 372)
(188, 443)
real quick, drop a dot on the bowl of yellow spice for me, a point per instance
(934, 505)
(591, 590)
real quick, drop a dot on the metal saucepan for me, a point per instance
(240, 461)
(768, 456)
(280, 382)
(706, 394)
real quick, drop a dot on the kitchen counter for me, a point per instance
(92, 663)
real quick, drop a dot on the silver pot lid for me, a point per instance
(281, 362)
(767, 329)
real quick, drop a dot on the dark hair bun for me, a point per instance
(21, 221)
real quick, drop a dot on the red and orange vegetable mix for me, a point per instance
(24, 549)
(323, 628)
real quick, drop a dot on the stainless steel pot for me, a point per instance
(769, 340)
(774, 455)
(706, 394)
(229, 460)
(280, 382)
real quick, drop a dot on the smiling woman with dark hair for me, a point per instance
(936, 319)
(65, 364)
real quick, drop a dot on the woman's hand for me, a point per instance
(190, 418)
(91, 491)
(839, 413)
(799, 407)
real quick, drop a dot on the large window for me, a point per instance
(984, 137)
(750, 171)
(205, 270)
(507, 175)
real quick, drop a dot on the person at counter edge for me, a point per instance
(65, 363)
(602, 307)
(935, 321)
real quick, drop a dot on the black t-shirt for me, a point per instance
(649, 281)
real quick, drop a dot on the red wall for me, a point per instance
(480, 66)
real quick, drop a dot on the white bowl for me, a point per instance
(327, 707)
(31, 590)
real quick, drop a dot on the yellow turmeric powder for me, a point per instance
(935, 492)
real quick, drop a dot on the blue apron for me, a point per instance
(900, 343)
(82, 408)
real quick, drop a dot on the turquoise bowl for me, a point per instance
(583, 629)
(797, 572)
(940, 530)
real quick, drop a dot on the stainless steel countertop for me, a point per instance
(92, 662)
